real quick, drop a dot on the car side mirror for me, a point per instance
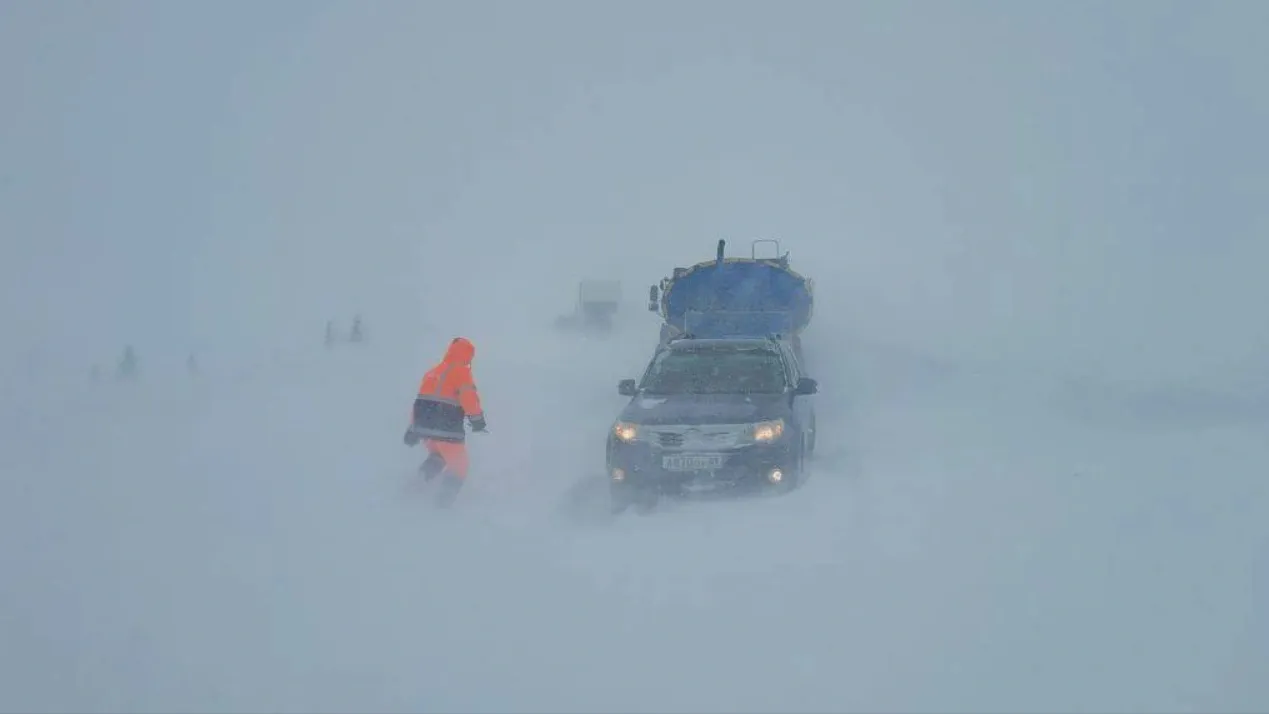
(627, 388)
(806, 385)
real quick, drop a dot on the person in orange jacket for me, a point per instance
(446, 396)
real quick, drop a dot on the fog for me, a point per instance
(1036, 234)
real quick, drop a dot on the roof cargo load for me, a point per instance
(735, 297)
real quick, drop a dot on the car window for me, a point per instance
(792, 359)
(715, 371)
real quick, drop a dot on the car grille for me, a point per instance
(703, 437)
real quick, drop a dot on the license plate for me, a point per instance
(692, 462)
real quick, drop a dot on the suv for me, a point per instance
(711, 414)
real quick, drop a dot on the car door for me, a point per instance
(802, 405)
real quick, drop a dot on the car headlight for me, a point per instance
(768, 431)
(625, 431)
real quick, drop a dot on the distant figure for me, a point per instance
(191, 365)
(446, 395)
(330, 333)
(128, 366)
(355, 334)
(95, 373)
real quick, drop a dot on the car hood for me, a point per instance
(703, 408)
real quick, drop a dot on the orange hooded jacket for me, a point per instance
(447, 394)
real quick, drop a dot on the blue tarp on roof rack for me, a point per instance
(738, 324)
(734, 297)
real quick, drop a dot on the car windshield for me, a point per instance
(715, 371)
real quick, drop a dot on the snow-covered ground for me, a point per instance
(1037, 241)
(257, 546)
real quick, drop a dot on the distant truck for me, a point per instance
(597, 303)
(735, 297)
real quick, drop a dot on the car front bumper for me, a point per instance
(644, 466)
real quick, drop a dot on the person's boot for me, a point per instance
(448, 492)
(432, 466)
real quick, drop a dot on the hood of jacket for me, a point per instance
(461, 351)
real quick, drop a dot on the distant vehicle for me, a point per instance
(736, 297)
(712, 414)
(597, 303)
